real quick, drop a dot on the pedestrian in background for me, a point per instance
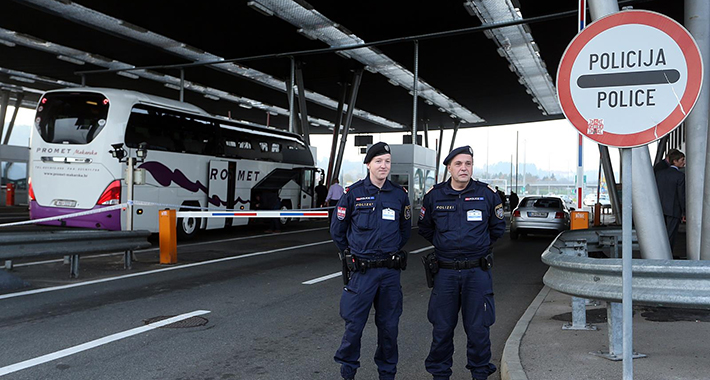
(514, 200)
(321, 193)
(372, 225)
(335, 192)
(671, 191)
(664, 163)
(462, 218)
(501, 194)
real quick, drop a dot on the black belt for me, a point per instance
(485, 262)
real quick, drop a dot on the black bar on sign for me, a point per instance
(639, 78)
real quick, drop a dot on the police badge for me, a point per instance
(407, 212)
(499, 211)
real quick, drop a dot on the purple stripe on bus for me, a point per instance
(164, 176)
(109, 220)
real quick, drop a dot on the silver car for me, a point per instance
(539, 214)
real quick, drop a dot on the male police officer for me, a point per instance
(462, 218)
(371, 226)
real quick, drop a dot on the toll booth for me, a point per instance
(413, 167)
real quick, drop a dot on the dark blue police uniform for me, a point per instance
(462, 225)
(373, 223)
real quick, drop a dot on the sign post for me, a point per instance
(625, 81)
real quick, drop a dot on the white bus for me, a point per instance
(193, 160)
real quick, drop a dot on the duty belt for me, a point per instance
(485, 263)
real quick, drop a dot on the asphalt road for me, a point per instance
(262, 321)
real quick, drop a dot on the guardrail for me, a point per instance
(71, 243)
(678, 283)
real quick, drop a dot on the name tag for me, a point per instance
(474, 216)
(388, 214)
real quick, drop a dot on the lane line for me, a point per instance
(185, 266)
(321, 279)
(95, 343)
(158, 248)
(337, 274)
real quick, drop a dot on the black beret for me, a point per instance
(460, 150)
(376, 150)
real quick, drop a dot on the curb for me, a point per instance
(511, 367)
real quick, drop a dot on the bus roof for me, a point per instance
(139, 97)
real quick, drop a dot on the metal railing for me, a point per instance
(679, 283)
(20, 245)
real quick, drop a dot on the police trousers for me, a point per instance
(379, 287)
(469, 291)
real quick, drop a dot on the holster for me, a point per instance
(431, 268)
(345, 258)
(399, 259)
(487, 261)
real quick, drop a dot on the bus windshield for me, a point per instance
(71, 118)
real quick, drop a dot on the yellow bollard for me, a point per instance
(580, 220)
(168, 237)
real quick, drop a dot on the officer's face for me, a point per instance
(461, 168)
(380, 166)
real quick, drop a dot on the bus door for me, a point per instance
(222, 188)
(308, 180)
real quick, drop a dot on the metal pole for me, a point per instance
(438, 152)
(348, 119)
(415, 92)
(453, 138)
(511, 175)
(182, 85)
(661, 150)
(18, 103)
(517, 138)
(305, 129)
(291, 104)
(697, 172)
(611, 182)
(453, 141)
(626, 273)
(4, 100)
(650, 226)
(130, 167)
(426, 134)
(336, 132)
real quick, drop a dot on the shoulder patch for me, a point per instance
(499, 211)
(422, 212)
(407, 212)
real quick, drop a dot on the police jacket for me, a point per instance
(461, 224)
(372, 222)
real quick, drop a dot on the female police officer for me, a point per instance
(373, 223)
(462, 218)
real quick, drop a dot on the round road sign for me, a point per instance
(629, 78)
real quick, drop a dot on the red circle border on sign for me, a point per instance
(655, 20)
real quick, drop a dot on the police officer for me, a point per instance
(462, 218)
(371, 225)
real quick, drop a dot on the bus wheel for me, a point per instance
(285, 205)
(187, 227)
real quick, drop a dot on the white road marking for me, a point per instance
(95, 343)
(177, 267)
(158, 248)
(320, 279)
(337, 274)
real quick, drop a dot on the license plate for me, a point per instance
(537, 214)
(64, 203)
